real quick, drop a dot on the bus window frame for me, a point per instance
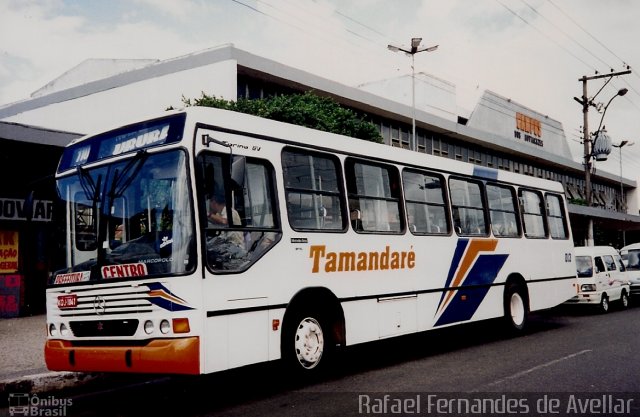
(483, 198)
(203, 200)
(543, 212)
(445, 201)
(341, 194)
(516, 210)
(563, 215)
(349, 168)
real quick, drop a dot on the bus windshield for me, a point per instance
(128, 219)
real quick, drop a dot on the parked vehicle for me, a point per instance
(631, 259)
(602, 277)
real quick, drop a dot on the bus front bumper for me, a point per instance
(165, 356)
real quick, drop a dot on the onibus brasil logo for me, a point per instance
(21, 404)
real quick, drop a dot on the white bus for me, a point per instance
(205, 240)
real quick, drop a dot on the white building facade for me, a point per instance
(499, 133)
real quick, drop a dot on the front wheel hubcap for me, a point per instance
(309, 343)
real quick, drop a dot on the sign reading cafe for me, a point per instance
(528, 129)
(14, 209)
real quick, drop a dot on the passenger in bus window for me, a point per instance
(218, 216)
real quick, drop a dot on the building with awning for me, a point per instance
(499, 133)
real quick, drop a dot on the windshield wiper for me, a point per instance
(122, 180)
(91, 189)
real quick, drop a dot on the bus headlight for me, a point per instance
(53, 331)
(148, 327)
(588, 287)
(64, 330)
(165, 327)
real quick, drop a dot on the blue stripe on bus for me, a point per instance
(461, 246)
(161, 296)
(484, 172)
(467, 300)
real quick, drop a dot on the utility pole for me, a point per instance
(586, 102)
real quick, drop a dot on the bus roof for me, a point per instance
(293, 134)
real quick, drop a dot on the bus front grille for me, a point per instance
(92, 328)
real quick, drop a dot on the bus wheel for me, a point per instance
(516, 307)
(307, 343)
(604, 304)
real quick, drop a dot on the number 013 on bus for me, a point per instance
(205, 240)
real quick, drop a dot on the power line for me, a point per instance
(544, 34)
(565, 34)
(586, 31)
(624, 62)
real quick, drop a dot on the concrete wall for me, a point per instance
(499, 115)
(134, 101)
(433, 95)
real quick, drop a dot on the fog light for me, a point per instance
(64, 331)
(165, 327)
(52, 330)
(148, 327)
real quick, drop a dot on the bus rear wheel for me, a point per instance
(516, 307)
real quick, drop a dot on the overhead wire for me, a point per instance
(545, 35)
(320, 32)
(586, 31)
(369, 41)
(628, 99)
(565, 33)
(624, 63)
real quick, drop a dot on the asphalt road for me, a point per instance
(571, 361)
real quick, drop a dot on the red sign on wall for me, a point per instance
(11, 295)
(8, 252)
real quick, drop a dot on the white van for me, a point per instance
(631, 258)
(602, 277)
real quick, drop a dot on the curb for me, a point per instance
(44, 382)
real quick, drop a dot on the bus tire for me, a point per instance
(516, 307)
(307, 342)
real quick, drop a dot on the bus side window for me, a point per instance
(555, 214)
(315, 200)
(533, 214)
(425, 201)
(374, 194)
(247, 235)
(502, 211)
(467, 207)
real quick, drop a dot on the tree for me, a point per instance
(307, 109)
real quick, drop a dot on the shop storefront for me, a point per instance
(27, 248)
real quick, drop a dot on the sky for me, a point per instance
(531, 51)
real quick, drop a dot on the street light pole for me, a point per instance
(588, 146)
(623, 203)
(415, 48)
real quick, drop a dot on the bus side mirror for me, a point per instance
(238, 166)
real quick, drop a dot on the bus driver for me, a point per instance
(217, 215)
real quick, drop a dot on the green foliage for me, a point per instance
(306, 109)
(578, 201)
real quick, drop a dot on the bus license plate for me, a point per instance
(67, 301)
